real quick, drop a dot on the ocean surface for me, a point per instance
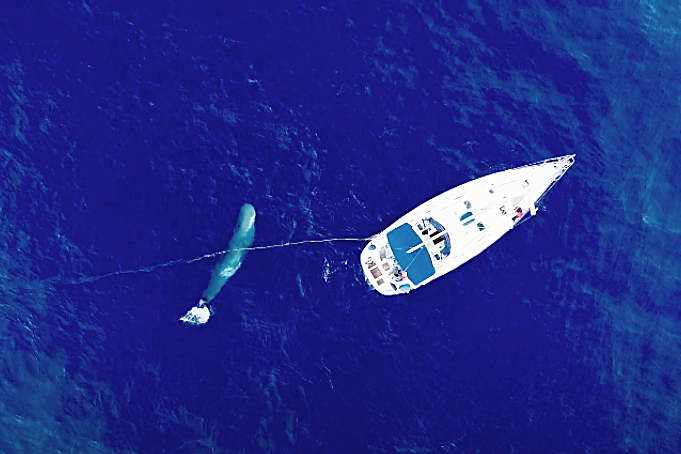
(132, 132)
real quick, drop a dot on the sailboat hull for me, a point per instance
(450, 229)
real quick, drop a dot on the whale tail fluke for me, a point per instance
(197, 315)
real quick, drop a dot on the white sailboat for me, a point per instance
(448, 230)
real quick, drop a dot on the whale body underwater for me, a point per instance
(242, 239)
(244, 233)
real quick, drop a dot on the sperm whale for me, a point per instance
(244, 233)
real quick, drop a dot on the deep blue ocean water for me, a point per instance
(132, 132)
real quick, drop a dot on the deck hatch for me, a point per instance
(467, 218)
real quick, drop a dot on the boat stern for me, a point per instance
(381, 271)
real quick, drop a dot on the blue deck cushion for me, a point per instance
(418, 264)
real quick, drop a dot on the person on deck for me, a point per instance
(518, 214)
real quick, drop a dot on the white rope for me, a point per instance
(151, 268)
(252, 248)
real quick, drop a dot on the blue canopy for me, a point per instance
(418, 264)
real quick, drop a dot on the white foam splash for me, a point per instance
(196, 315)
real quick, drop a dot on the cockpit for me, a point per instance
(431, 230)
